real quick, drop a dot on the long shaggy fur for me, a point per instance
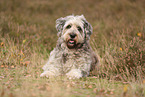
(73, 55)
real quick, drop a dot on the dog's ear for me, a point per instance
(87, 27)
(59, 25)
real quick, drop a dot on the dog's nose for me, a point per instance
(72, 35)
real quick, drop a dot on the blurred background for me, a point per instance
(27, 27)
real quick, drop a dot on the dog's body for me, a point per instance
(73, 55)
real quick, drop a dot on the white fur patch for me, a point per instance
(74, 73)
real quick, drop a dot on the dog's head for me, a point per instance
(74, 30)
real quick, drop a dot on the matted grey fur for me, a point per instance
(73, 55)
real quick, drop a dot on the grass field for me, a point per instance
(28, 34)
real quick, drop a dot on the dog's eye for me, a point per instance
(79, 29)
(69, 26)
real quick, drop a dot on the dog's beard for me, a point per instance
(71, 43)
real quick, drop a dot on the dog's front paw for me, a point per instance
(47, 74)
(74, 74)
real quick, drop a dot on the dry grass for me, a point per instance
(27, 35)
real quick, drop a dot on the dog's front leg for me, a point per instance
(51, 67)
(74, 73)
(50, 73)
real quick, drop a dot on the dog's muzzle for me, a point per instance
(71, 43)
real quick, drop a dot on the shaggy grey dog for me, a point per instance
(73, 55)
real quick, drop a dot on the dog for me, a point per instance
(73, 55)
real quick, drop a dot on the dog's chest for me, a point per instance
(70, 56)
(73, 60)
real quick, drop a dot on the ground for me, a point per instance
(28, 34)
